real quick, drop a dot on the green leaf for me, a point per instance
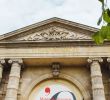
(101, 1)
(103, 31)
(98, 38)
(108, 24)
(102, 34)
(106, 16)
(108, 12)
(107, 32)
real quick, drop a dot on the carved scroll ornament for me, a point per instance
(54, 33)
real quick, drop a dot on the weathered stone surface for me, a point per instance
(14, 78)
(2, 61)
(96, 79)
(54, 40)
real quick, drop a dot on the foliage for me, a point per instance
(104, 32)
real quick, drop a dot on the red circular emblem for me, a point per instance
(47, 90)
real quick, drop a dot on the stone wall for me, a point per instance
(30, 74)
(81, 74)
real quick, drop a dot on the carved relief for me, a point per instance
(55, 33)
(55, 69)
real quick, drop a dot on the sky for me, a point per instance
(15, 14)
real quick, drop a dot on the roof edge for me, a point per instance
(47, 21)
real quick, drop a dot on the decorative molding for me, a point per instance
(55, 69)
(55, 33)
(108, 59)
(2, 61)
(91, 59)
(16, 60)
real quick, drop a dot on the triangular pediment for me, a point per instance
(53, 29)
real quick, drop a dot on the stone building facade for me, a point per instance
(54, 58)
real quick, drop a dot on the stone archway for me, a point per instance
(76, 83)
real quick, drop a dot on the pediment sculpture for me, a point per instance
(55, 33)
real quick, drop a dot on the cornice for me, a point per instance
(23, 44)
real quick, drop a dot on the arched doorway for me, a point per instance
(55, 89)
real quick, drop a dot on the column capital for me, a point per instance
(108, 59)
(15, 60)
(2, 61)
(92, 59)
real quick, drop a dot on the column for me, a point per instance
(96, 79)
(108, 60)
(2, 61)
(14, 78)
